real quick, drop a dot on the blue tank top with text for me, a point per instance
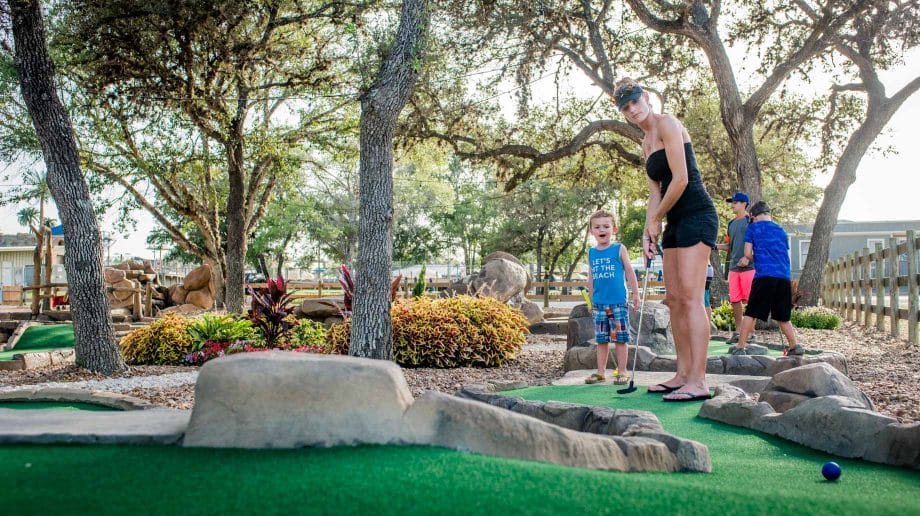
(607, 276)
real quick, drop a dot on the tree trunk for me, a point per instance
(237, 237)
(834, 194)
(718, 288)
(371, 329)
(94, 345)
(739, 125)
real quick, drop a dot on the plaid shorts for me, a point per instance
(619, 322)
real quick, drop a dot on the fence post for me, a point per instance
(850, 270)
(879, 290)
(893, 284)
(838, 292)
(866, 288)
(546, 292)
(912, 294)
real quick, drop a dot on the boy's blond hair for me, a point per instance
(601, 214)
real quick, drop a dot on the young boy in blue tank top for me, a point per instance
(608, 271)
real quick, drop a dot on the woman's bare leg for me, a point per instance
(688, 317)
(671, 272)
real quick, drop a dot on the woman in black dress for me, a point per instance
(677, 195)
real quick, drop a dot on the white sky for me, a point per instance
(886, 187)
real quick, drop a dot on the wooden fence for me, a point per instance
(858, 285)
(544, 290)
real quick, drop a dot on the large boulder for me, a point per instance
(834, 424)
(580, 327)
(656, 328)
(532, 311)
(443, 420)
(198, 278)
(321, 308)
(122, 294)
(499, 278)
(112, 275)
(585, 357)
(177, 294)
(288, 400)
(818, 379)
(201, 298)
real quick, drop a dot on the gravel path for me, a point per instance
(886, 369)
(163, 381)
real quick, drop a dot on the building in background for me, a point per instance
(849, 237)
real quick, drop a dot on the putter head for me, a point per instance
(627, 390)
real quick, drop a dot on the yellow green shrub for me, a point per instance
(164, 342)
(458, 331)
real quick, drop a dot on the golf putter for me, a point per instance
(632, 376)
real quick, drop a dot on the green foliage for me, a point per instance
(723, 317)
(308, 333)
(460, 331)
(815, 317)
(418, 290)
(164, 342)
(219, 328)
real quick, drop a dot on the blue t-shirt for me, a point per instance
(771, 249)
(607, 276)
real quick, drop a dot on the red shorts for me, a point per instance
(739, 286)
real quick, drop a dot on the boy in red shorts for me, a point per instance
(740, 277)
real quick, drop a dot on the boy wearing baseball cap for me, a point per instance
(740, 277)
(771, 291)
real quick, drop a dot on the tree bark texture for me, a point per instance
(95, 345)
(371, 329)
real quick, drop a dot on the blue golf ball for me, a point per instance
(831, 471)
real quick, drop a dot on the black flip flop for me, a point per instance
(665, 389)
(692, 397)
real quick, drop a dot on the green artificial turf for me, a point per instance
(753, 474)
(42, 338)
(720, 347)
(54, 405)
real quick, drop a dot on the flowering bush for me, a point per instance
(215, 349)
(458, 331)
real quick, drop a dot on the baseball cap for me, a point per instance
(739, 197)
(759, 208)
(627, 93)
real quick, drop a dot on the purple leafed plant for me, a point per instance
(270, 311)
(346, 280)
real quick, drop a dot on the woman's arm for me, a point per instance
(672, 135)
(652, 228)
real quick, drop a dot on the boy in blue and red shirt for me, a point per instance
(609, 270)
(771, 291)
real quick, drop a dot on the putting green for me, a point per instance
(753, 474)
(42, 338)
(54, 405)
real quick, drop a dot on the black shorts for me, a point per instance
(689, 230)
(770, 297)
